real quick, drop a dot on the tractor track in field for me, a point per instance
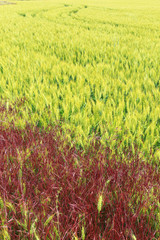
(6, 3)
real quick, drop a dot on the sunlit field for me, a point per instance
(93, 66)
(80, 111)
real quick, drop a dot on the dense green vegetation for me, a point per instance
(94, 66)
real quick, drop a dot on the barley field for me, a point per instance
(92, 67)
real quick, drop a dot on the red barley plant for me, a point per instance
(49, 190)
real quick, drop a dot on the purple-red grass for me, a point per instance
(49, 190)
